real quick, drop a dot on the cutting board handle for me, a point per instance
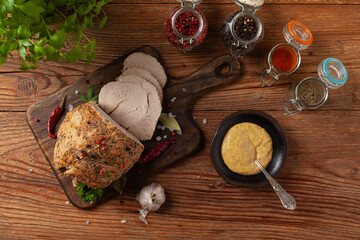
(218, 71)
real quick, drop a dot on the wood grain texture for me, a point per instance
(322, 171)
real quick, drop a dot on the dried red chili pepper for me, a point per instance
(54, 118)
(155, 152)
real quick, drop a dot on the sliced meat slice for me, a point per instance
(143, 122)
(111, 95)
(142, 60)
(145, 74)
(125, 102)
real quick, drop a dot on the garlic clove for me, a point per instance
(151, 197)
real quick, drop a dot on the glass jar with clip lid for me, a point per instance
(186, 26)
(311, 93)
(284, 58)
(241, 30)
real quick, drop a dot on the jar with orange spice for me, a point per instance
(284, 58)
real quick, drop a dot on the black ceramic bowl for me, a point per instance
(280, 147)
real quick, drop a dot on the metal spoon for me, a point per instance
(286, 199)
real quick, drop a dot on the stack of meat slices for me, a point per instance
(134, 100)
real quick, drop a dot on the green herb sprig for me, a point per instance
(90, 95)
(38, 29)
(89, 194)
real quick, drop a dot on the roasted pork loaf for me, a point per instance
(93, 149)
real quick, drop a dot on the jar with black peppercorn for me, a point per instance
(311, 93)
(284, 58)
(241, 30)
(186, 26)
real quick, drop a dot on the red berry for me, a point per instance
(99, 82)
(103, 148)
(37, 120)
(82, 154)
(103, 143)
(98, 142)
(169, 106)
(102, 138)
(101, 171)
(122, 165)
(86, 81)
(173, 133)
(183, 65)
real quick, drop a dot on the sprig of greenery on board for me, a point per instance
(89, 194)
(90, 95)
(38, 29)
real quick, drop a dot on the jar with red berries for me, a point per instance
(186, 26)
(241, 30)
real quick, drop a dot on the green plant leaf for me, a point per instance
(119, 184)
(24, 66)
(90, 46)
(89, 194)
(88, 23)
(94, 98)
(75, 55)
(102, 22)
(85, 8)
(30, 8)
(90, 91)
(83, 98)
(90, 57)
(23, 32)
(25, 43)
(58, 39)
(22, 52)
(169, 122)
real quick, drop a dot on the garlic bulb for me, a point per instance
(151, 197)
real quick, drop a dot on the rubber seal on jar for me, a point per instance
(342, 70)
(297, 28)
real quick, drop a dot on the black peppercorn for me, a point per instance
(245, 28)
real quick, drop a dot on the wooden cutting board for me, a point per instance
(220, 70)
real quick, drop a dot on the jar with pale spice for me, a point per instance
(311, 93)
(242, 29)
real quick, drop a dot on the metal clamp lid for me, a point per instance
(193, 2)
(252, 4)
(292, 107)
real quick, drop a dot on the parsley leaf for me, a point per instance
(89, 194)
(38, 30)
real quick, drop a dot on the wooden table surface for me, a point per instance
(323, 167)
